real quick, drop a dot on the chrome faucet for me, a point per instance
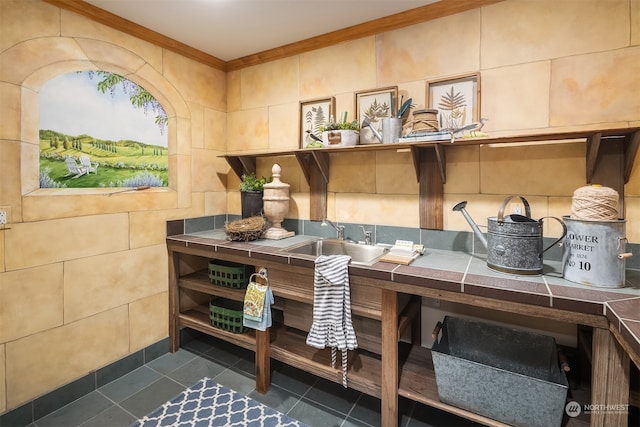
(339, 228)
(367, 236)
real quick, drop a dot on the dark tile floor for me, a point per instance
(307, 398)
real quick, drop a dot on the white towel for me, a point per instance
(332, 326)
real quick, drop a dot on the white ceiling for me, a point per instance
(231, 29)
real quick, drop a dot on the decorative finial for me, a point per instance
(275, 172)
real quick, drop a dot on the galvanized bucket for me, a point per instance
(510, 375)
(594, 252)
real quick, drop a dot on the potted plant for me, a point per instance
(342, 132)
(251, 191)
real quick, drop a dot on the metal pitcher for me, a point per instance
(514, 243)
(391, 129)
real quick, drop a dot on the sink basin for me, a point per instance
(360, 254)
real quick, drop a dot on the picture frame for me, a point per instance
(375, 104)
(313, 114)
(457, 100)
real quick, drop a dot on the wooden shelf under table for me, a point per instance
(198, 318)
(199, 281)
(417, 378)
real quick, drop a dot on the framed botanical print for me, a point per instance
(374, 105)
(313, 114)
(456, 99)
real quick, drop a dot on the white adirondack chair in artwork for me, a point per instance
(88, 165)
(74, 168)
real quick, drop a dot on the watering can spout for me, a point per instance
(460, 207)
(366, 123)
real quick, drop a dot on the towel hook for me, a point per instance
(262, 272)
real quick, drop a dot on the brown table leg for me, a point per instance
(389, 398)
(174, 302)
(263, 359)
(610, 381)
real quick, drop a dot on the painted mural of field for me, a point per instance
(99, 129)
(113, 163)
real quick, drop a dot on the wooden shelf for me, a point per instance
(199, 281)
(417, 379)
(418, 382)
(609, 159)
(198, 319)
(289, 347)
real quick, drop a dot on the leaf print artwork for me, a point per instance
(453, 111)
(457, 101)
(377, 110)
(373, 106)
(313, 116)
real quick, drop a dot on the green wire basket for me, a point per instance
(227, 314)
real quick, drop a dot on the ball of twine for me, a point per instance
(595, 203)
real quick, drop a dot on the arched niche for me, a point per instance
(25, 68)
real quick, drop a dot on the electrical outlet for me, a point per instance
(5, 216)
(517, 210)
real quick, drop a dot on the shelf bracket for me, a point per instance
(593, 149)
(241, 165)
(304, 160)
(439, 151)
(313, 159)
(610, 161)
(632, 144)
(315, 167)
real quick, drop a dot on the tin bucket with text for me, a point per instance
(594, 252)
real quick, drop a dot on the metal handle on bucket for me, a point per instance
(436, 331)
(564, 362)
(624, 255)
(527, 208)
(564, 231)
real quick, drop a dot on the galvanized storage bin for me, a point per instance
(505, 374)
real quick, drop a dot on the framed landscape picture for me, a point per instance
(313, 114)
(456, 99)
(374, 105)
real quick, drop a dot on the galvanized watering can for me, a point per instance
(514, 243)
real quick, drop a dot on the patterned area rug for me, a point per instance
(208, 403)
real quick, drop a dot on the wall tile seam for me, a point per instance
(555, 59)
(9, 343)
(64, 261)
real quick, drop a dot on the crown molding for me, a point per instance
(410, 17)
(128, 27)
(392, 22)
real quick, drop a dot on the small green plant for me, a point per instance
(343, 124)
(250, 182)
